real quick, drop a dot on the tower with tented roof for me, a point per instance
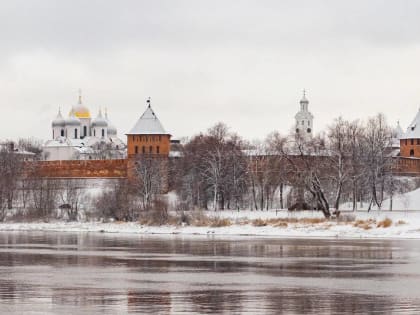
(410, 140)
(148, 137)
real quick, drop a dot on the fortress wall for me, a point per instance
(406, 166)
(78, 168)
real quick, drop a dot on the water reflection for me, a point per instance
(92, 273)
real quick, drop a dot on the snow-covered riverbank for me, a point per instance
(305, 224)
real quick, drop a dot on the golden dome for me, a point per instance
(79, 110)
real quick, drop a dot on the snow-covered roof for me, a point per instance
(148, 124)
(413, 130)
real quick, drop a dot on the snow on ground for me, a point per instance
(405, 224)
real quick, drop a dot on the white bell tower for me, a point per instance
(304, 118)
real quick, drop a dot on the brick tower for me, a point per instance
(148, 137)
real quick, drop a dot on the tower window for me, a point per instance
(103, 133)
(84, 131)
(75, 133)
(143, 149)
(418, 141)
(53, 134)
(411, 152)
(297, 130)
(303, 122)
(62, 132)
(94, 132)
(412, 141)
(136, 149)
(309, 123)
(157, 149)
(308, 130)
(150, 149)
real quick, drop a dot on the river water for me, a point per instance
(94, 273)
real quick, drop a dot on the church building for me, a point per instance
(79, 137)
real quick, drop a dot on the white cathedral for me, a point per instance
(79, 137)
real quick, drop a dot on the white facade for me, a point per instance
(80, 137)
(304, 119)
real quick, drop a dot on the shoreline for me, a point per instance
(335, 231)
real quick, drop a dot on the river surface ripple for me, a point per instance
(94, 273)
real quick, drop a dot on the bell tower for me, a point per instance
(304, 118)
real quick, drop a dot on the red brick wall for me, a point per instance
(148, 141)
(406, 145)
(78, 168)
(406, 166)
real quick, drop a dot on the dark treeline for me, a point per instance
(348, 163)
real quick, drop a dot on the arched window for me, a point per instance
(94, 132)
(62, 132)
(143, 149)
(136, 149)
(53, 134)
(412, 141)
(411, 152)
(103, 133)
(157, 150)
(84, 131)
(75, 133)
(150, 149)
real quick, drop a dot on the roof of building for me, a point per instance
(112, 130)
(413, 130)
(79, 110)
(148, 124)
(59, 120)
(100, 121)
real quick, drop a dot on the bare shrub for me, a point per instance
(117, 203)
(312, 220)
(400, 222)
(364, 224)
(387, 222)
(259, 222)
(220, 222)
(157, 215)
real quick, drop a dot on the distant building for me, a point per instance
(80, 137)
(11, 147)
(410, 140)
(304, 118)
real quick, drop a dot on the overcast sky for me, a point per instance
(241, 62)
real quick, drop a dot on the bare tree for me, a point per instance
(10, 171)
(376, 158)
(150, 178)
(71, 193)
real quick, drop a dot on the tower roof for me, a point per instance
(413, 130)
(148, 124)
